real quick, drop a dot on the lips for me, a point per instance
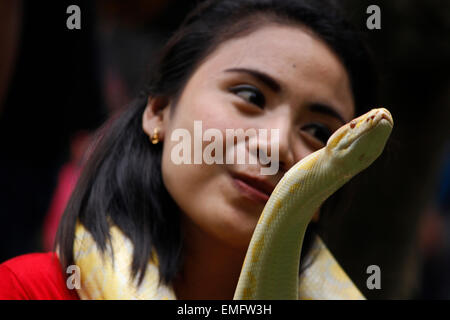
(255, 188)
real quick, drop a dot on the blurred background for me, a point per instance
(57, 86)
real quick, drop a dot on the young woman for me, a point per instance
(294, 66)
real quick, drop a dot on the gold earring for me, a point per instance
(155, 136)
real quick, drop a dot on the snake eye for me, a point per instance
(318, 131)
(250, 94)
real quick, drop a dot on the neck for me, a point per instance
(211, 268)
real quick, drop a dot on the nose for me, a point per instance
(282, 142)
(286, 154)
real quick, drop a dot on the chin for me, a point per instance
(237, 228)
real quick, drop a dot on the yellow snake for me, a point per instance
(271, 266)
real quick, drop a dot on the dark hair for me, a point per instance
(122, 180)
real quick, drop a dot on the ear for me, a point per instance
(156, 115)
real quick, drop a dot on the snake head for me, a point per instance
(358, 143)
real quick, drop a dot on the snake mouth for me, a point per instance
(357, 128)
(386, 115)
(388, 119)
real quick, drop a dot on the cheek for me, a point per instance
(202, 191)
(192, 186)
(176, 176)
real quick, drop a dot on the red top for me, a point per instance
(34, 276)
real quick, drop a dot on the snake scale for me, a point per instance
(271, 266)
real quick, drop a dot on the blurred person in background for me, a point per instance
(434, 237)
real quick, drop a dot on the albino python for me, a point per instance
(271, 266)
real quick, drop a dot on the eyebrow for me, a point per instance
(261, 76)
(327, 110)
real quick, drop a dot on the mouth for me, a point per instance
(254, 188)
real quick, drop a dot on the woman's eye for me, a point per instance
(318, 131)
(250, 94)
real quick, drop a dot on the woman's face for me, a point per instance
(277, 77)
